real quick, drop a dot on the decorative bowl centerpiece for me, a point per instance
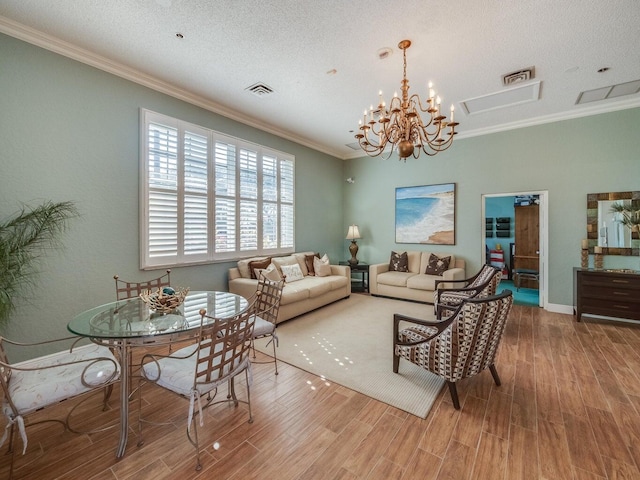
(164, 299)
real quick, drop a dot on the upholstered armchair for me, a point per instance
(458, 347)
(482, 284)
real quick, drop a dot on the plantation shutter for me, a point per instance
(206, 196)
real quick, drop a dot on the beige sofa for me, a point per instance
(414, 284)
(298, 297)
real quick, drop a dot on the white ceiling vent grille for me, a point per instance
(260, 89)
(519, 76)
(505, 98)
(611, 91)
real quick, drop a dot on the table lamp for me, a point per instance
(352, 234)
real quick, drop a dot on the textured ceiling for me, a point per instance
(464, 47)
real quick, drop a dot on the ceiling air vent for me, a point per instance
(519, 76)
(260, 89)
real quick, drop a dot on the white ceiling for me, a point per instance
(462, 46)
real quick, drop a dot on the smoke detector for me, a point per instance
(260, 89)
(518, 76)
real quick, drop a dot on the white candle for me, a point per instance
(597, 250)
(452, 113)
(585, 243)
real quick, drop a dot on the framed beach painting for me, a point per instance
(426, 214)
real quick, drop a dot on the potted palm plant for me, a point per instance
(24, 238)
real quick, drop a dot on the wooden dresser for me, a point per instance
(606, 292)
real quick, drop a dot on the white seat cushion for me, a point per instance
(31, 390)
(177, 374)
(262, 327)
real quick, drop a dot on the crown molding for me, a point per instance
(53, 44)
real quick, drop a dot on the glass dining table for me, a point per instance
(127, 324)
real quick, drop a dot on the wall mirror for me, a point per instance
(604, 229)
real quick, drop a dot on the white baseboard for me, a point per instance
(558, 308)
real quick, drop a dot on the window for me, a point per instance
(206, 196)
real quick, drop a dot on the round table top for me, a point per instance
(132, 318)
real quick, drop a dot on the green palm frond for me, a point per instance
(24, 238)
(629, 215)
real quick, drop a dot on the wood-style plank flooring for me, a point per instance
(568, 408)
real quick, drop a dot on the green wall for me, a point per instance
(569, 159)
(69, 131)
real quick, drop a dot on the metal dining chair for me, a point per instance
(220, 353)
(266, 307)
(42, 382)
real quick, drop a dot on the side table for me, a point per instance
(360, 284)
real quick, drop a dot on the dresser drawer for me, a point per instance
(610, 294)
(622, 281)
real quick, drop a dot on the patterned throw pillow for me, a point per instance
(437, 265)
(322, 266)
(399, 262)
(292, 273)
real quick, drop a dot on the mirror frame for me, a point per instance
(592, 221)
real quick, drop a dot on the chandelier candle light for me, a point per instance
(353, 234)
(401, 125)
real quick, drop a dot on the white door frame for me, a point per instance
(543, 241)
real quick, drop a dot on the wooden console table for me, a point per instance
(610, 293)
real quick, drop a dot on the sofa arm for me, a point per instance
(342, 270)
(451, 274)
(374, 271)
(234, 273)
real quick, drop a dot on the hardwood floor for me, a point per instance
(568, 408)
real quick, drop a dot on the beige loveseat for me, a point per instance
(300, 296)
(414, 284)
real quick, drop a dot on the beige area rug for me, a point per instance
(350, 342)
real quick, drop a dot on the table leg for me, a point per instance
(124, 398)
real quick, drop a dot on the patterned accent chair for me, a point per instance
(458, 347)
(482, 284)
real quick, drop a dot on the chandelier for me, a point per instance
(401, 125)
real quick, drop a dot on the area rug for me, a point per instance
(350, 342)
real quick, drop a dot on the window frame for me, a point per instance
(284, 202)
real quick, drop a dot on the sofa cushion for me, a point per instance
(395, 279)
(270, 273)
(288, 260)
(255, 265)
(437, 265)
(321, 266)
(423, 282)
(399, 262)
(317, 286)
(243, 266)
(292, 273)
(424, 261)
(294, 292)
(308, 261)
(301, 256)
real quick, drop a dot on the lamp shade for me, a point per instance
(353, 232)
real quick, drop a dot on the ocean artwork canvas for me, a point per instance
(426, 214)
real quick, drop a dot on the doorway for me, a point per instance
(499, 233)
